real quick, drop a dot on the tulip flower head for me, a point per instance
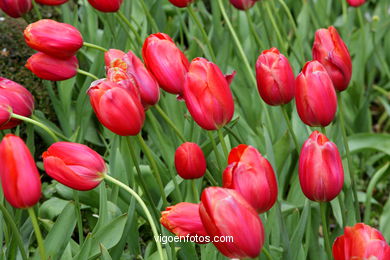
(5, 111)
(243, 4)
(15, 8)
(321, 173)
(51, 2)
(106, 6)
(356, 3)
(181, 3)
(19, 175)
(361, 242)
(190, 162)
(248, 172)
(74, 165)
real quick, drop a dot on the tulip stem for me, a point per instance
(290, 128)
(325, 229)
(260, 44)
(94, 46)
(201, 29)
(79, 219)
(38, 233)
(170, 123)
(216, 152)
(36, 10)
(143, 206)
(223, 143)
(211, 178)
(121, 16)
(266, 253)
(323, 130)
(11, 223)
(149, 16)
(349, 159)
(276, 28)
(86, 73)
(195, 191)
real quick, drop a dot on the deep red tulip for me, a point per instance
(248, 173)
(5, 111)
(166, 62)
(14, 98)
(183, 219)
(316, 98)
(106, 6)
(74, 165)
(224, 212)
(361, 242)
(207, 95)
(181, 3)
(123, 79)
(321, 173)
(19, 175)
(331, 51)
(190, 162)
(44, 36)
(275, 78)
(243, 4)
(356, 3)
(51, 2)
(113, 58)
(15, 8)
(117, 108)
(51, 68)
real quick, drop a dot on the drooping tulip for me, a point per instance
(361, 242)
(106, 6)
(51, 68)
(248, 172)
(51, 2)
(275, 78)
(207, 95)
(331, 51)
(243, 4)
(19, 175)
(190, 161)
(16, 99)
(356, 3)
(183, 219)
(166, 62)
(321, 173)
(181, 3)
(15, 8)
(44, 36)
(74, 165)
(117, 108)
(315, 96)
(224, 212)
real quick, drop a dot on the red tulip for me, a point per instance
(207, 95)
(14, 98)
(44, 36)
(113, 58)
(51, 2)
(51, 68)
(243, 4)
(166, 62)
(107, 6)
(321, 173)
(316, 98)
(15, 8)
(248, 173)
(361, 242)
(183, 219)
(19, 174)
(224, 212)
(331, 51)
(124, 80)
(117, 108)
(356, 3)
(74, 165)
(190, 162)
(5, 111)
(181, 3)
(275, 78)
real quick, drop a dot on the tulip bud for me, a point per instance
(117, 108)
(321, 172)
(51, 2)
(331, 51)
(224, 212)
(190, 162)
(361, 242)
(183, 219)
(74, 165)
(5, 112)
(207, 95)
(121, 78)
(248, 173)
(50, 68)
(275, 78)
(356, 3)
(316, 98)
(16, 99)
(243, 4)
(166, 62)
(113, 58)
(15, 8)
(19, 175)
(44, 36)
(181, 3)
(106, 6)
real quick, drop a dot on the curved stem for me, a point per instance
(86, 73)
(211, 178)
(170, 123)
(290, 128)
(195, 191)
(94, 46)
(149, 16)
(143, 206)
(266, 253)
(11, 223)
(223, 143)
(325, 229)
(38, 233)
(131, 27)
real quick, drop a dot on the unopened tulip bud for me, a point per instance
(190, 162)
(243, 4)
(15, 8)
(356, 3)
(51, 2)
(181, 3)
(106, 6)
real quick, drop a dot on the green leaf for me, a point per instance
(361, 142)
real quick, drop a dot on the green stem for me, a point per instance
(143, 206)
(121, 16)
(79, 219)
(345, 10)
(211, 179)
(149, 16)
(266, 253)
(36, 10)
(170, 123)
(290, 128)
(11, 223)
(223, 143)
(86, 73)
(94, 46)
(259, 42)
(38, 233)
(216, 152)
(195, 191)
(325, 229)
(323, 130)
(274, 24)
